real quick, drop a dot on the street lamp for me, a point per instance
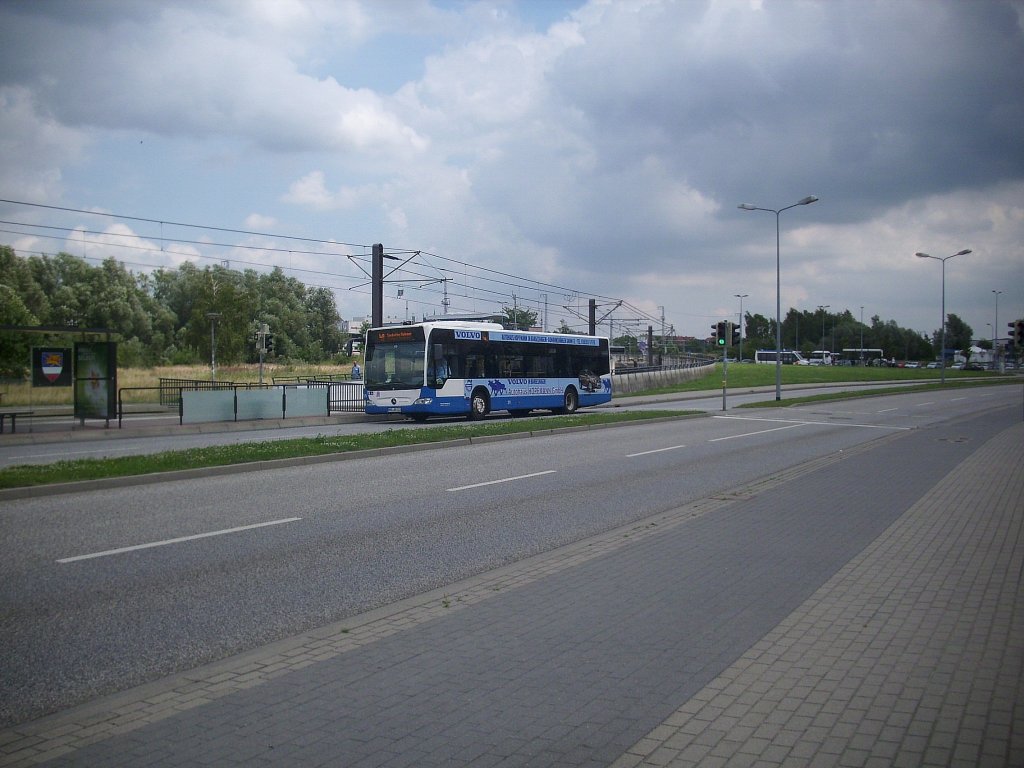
(213, 317)
(943, 259)
(778, 285)
(741, 297)
(995, 329)
(862, 334)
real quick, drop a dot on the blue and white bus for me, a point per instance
(469, 368)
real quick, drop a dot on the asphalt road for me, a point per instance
(106, 589)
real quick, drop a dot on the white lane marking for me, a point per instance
(770, 421)
(958, 398)
(818, 423)
(503, 480)
(656, 450)
(180, 539)
(930, 402)
(750, 434)
(886, 410)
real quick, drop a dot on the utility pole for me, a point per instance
(213, 317)
(664, 347)
(741, 297)
(377, 290)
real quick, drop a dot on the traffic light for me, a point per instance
(1017, 332)
(268, 342)
(722, 331)
(714, 334)
(735, 334)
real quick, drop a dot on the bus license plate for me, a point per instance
(394, 409)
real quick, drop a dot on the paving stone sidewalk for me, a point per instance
(911, 655)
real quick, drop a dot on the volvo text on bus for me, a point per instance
(449, 368)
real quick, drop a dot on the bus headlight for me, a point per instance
(423, 401)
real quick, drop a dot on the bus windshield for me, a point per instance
(394, 364)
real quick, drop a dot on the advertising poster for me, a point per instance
(51, 367)
(95, 380)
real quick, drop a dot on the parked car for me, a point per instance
(974, 367)
(912, 364)
(932, 364)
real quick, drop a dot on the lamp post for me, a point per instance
(943, 259)
(862, 334)
(778, 285)
(995, 330)
(741, 297)
(213, 317)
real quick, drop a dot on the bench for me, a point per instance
(14, 418)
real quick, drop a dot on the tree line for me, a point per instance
(808, 330)
(164, 317)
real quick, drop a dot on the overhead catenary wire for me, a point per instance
(480, 285)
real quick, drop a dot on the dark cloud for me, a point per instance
(600, 141)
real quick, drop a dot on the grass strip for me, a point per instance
(744, 376)
(25, 475)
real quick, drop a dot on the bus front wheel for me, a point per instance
(479, 405)
(571, 401)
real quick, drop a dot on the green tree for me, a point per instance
(758, 332)
(17, 274)
(324, 324)
(15, 348)
(519, 318)
(958, 333)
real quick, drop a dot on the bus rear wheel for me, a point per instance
(479, 404)
(571, 401)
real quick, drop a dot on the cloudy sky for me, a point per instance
(600, 148)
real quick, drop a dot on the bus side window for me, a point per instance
(563, 367)
(539, 366)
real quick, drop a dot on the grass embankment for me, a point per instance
(222, 455)
(751, 375)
